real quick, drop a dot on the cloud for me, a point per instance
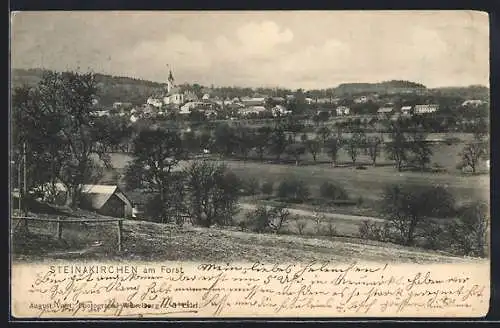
(175, 49)
(253, 40)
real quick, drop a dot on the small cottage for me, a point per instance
(106, 200)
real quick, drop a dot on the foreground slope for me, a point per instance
(147, 241)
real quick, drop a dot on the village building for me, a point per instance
(361, 100)
(252, 110)
(106, 200)
(385, 110)
(472, 103)
(174, 95)
(155, 102)
(261, 101)
(426, 109)
(405, 110)
(100, 113)
(342, 110)
(280, 110)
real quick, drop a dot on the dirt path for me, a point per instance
(328, 215)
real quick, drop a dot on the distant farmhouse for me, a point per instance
(280, 110)
(386, 110)
(406, 110)
(473, 103)
(426, 109)
(342, 110)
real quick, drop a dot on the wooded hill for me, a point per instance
(136, 91)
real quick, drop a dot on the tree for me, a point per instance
(324, 133)
(472, 153)
(225, 140)
(156, 154)
(408, 207)
(397, 148)
(211, 193)
(314, 147)
(245, 140)
(373, 146)
(262, 140)
(333, 145)
(354, 144)
(293, 189)
(267, 188)
(278, 142)
(296, 150)
(332, 191)
(56, 123)
(421, 150)
(271, 219)
(191, 142)
(469, 233)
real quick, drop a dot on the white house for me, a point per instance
(257, 101)
(426, 109)
(342, 110)
(385, 110)
(406, 110)
(101, 113)
(206, 96)
(472, 103)
(155, 102)
(252, 110)
(280, 110)
(361, 100)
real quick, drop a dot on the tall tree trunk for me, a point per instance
(410, 236)
(162, 200)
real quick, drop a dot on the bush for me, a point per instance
(258, 220)
(469, 233)
(332, 191)
(301, 225)
(251, 186)
(374, 231)
(268, 220)
(434, 237)
(267, 188)
(331, 229)
(293, 190)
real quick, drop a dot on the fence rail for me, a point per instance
(60, 222)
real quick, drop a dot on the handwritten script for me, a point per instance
(249, 289)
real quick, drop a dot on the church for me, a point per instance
(174, 96)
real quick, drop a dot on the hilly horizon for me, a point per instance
(135, 90)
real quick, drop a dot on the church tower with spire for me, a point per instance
(170, 81)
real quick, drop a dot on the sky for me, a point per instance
(292, 49)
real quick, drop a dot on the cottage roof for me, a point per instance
(98, 195)
(385, 110)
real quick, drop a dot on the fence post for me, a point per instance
(59, 228)
(120, 225)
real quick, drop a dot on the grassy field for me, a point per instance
(146, 241)
(367, 184)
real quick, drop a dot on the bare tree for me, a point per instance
(314, 147)
(472, 153)
(333, 146)
(374, 146)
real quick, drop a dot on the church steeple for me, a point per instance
(170, 81)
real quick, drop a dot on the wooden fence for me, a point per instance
(60, 222)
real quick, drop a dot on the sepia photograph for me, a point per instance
(249, 163)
